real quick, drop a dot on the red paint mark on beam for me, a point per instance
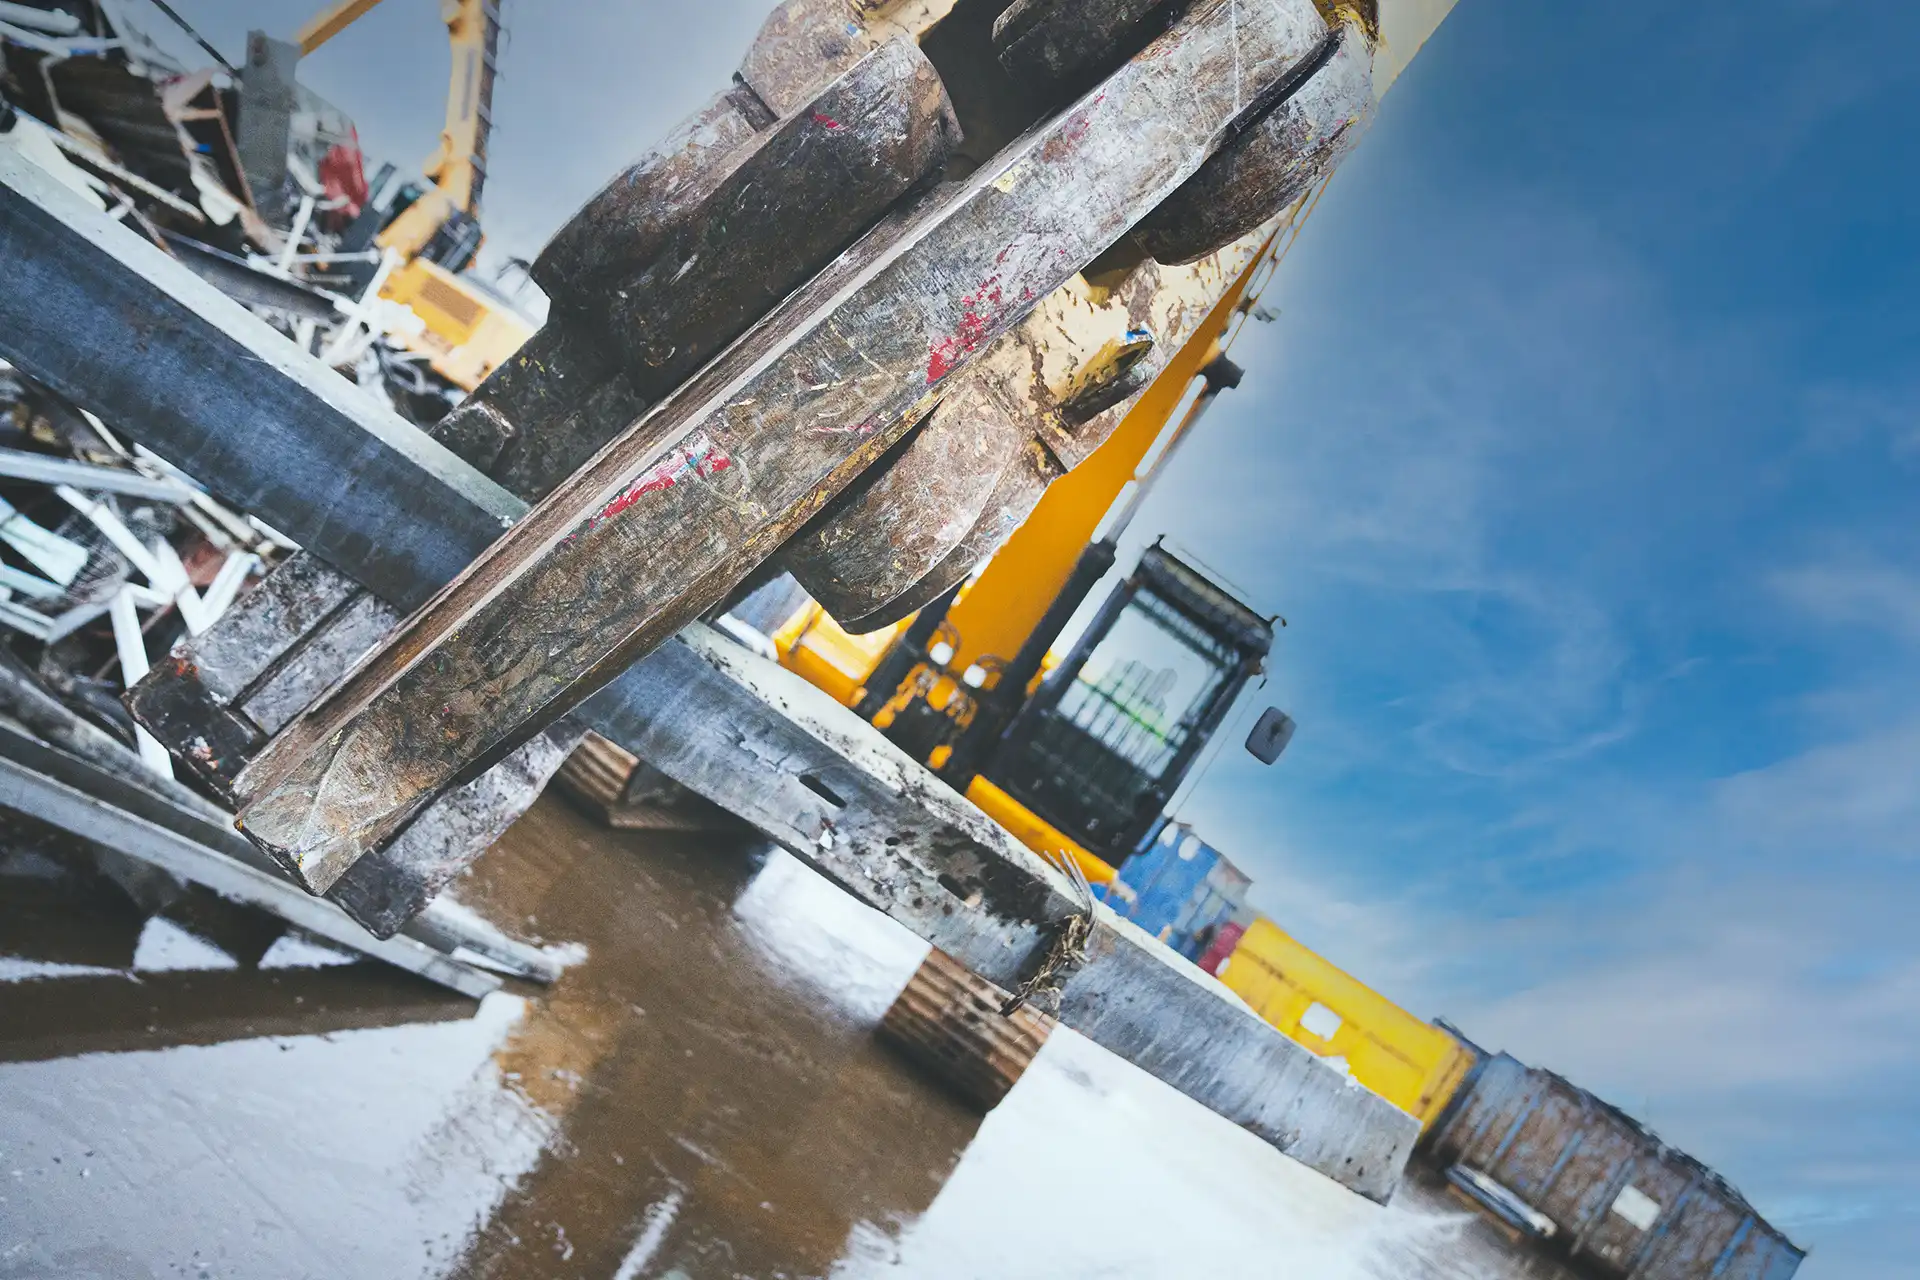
(698, 459)
(821, 117)
(978, 312)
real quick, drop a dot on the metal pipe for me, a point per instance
(30, 784)
(1001, 702)
(53, 22)
(56, 46)
(18, 465)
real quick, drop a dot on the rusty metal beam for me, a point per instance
(27, 786)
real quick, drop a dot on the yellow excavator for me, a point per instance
(1078, 753)
(1065, 752)
(1075, 754)
(433, 232)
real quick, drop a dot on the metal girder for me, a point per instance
(46, 469)
(28, 785)
(192, 376)
(39, 733)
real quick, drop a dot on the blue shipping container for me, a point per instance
(1178, 888)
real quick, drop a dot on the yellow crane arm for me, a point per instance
(458, 169)
(330, 22)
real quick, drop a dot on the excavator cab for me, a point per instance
(453, 246)
(1112, 732)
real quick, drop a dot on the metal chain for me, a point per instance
(1044, 987)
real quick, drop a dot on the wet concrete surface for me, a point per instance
(700, 1095)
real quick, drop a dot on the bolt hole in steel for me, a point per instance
(967, 891)
(821, 789)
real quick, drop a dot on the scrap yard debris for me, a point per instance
(109, 556)
(260, 187)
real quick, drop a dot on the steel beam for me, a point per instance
(27, 786)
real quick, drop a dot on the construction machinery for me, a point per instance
(914, 383)
(1075, 755)
(433, 231)
(913, 275)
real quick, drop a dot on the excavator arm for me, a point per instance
(458, 168)
(330, 22)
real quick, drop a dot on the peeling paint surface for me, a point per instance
(698, 459)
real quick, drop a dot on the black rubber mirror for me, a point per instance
(1270, 735)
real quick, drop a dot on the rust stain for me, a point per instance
(1075, 131)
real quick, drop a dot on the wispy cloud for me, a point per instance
(1846, 415)
(1605, 603)
(1877, 597)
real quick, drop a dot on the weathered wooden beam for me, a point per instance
(679, 254)
(219, 695)
(675, 512)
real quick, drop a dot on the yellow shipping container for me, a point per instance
(1409, 1062)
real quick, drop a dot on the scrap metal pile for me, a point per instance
(250, 179)
(259, 187)
(109, 555)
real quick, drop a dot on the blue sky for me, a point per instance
(1583, 459)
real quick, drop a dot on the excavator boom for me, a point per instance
(458, 169)
(330, 22)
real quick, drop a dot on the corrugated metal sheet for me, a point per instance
(1179, 888)
(1624, 1203)
(1411, 1063)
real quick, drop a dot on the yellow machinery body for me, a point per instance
(468, 332)
(1035, 832)
(814, 646)
(1011, 595)
(1411, 1063)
